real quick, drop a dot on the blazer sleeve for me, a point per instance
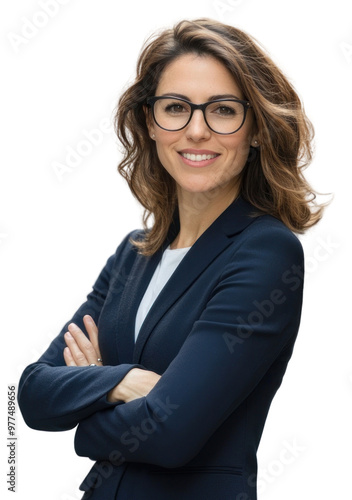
(252, 315)
(55, 397)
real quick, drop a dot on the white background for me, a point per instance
(56, 234)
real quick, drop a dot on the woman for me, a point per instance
(170, 366)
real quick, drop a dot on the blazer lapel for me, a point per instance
(134, 289)
(210, 244)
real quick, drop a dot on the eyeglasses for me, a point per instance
(221, 116)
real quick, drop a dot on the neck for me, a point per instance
(197, 211)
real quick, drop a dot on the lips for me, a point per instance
(198, 158)
(195, 155)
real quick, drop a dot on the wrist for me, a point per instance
(114, 395)
(120, 392)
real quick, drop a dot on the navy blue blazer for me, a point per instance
(221, 333)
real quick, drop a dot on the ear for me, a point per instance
(149, 121)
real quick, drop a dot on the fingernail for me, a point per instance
(89, 319)
(68, 335)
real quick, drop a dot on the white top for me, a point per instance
(167, 265)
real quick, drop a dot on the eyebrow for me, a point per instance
(211, 98)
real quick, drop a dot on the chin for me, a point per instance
(195, 188)
(215, 184)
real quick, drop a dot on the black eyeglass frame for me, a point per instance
(246, 106)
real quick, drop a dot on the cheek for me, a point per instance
(161, 151)
(165, 147)
(238, 149)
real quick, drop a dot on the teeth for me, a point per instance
(193, 157)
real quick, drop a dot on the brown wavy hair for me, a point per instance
(272, 179)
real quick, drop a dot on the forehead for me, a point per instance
(192, 74)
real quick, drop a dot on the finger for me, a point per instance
(92, 331)
(84, 344)
(68, 357)
(78, 355)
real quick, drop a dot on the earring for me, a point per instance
(153, 136)
(256, 143)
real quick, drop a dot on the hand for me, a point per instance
(136, 384)
(80, 351)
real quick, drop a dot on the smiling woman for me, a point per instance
(169, 368)
(272, 178)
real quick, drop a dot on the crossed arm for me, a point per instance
(60, 389)
(83, 351)
(224, 357)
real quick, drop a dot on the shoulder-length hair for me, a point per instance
(272, 179)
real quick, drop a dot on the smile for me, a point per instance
(194, 157)
(199, 160)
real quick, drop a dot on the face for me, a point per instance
(198, 78)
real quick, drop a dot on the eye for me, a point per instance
(225, 111)
(175, 108)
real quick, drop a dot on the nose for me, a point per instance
(197, 129)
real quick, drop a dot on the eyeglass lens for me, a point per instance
(222, 116)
